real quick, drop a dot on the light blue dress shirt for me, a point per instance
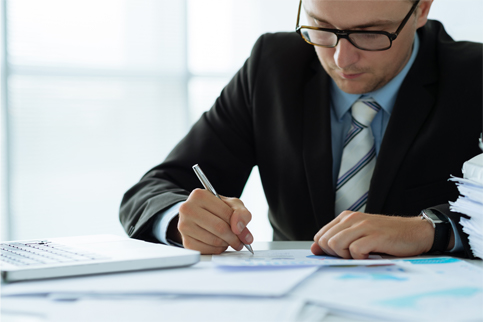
(341, 118)
(340, 122)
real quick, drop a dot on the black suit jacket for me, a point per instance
(275, 114)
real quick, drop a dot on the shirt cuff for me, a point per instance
(458, 244)
(161, 223)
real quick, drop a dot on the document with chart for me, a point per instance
(290, 257)
(422, 289)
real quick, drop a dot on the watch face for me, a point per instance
(432, 217)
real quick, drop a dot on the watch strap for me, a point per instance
(441, 232)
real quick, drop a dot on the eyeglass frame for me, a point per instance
(344, 34)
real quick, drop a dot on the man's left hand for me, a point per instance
(356, 235)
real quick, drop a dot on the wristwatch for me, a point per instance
(441, 227)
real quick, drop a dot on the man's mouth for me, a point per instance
(350, 76)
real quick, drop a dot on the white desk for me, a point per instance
(256, 246)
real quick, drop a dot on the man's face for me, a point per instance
(357, 71)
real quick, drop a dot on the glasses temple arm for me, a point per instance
(405, 20)
(298, 15)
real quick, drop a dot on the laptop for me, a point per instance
(83, 255)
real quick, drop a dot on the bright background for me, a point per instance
(97, 92)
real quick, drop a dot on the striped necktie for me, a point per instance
(358, 159)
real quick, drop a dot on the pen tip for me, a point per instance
(250, 249)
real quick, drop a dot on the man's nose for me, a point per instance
(345, 54)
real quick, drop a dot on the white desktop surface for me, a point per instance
(256, 246)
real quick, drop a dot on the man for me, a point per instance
(374, 120)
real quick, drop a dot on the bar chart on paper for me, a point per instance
(412, 289)
(290, 257)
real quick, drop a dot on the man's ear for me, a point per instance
(422, 12)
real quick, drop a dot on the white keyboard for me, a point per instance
(42, 253)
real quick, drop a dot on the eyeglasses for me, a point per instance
(362, 39)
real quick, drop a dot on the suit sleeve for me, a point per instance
(221, 142)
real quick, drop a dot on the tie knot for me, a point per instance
(364, 110)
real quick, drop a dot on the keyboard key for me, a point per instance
(43, 253)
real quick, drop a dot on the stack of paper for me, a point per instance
(470, 202)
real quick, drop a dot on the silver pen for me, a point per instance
(206, 183)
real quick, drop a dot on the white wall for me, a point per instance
(462, 18)
(3, 144)
(97, 96)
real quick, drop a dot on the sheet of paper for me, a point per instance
(152, 308)
(202, 278)
(290, 257)
(433, 289)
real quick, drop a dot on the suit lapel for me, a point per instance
(317, 146)
(406, 120)
(413, 104)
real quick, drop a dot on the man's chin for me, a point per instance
(351, 88)
(355, 86)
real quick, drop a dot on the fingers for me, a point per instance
(218, 228)
(209, 224)
(333, 239)
(316, 250)
(202, 247)
(240, 216)
(356, 235)
(206, 200)
(333, 223)
(358, 249)
(239, 219)
(362, 247)
(347, 247)
(341, 242)
(201, 218)
(209, 229)
(246, 237)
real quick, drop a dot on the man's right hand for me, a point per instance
(210, 225)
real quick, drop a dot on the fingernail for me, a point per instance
(249, 238)
(240, 226)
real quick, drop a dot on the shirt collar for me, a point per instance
(384, 96)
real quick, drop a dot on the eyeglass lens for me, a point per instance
(362, 40)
